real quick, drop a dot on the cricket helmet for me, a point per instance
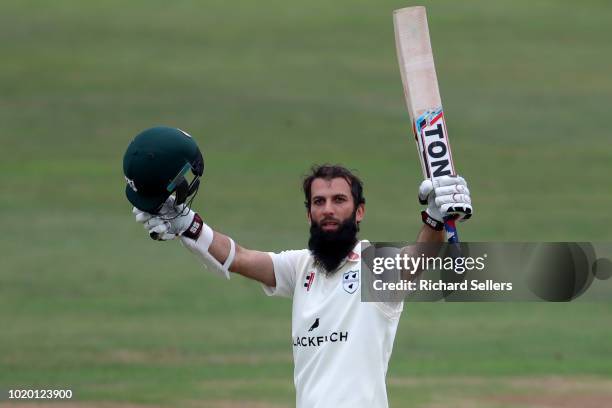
(159, 162)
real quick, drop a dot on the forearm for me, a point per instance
(216, 251)
(220, 248)
(252, 264)
(428, 234)
(247, 262)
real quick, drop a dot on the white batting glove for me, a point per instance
(446, 196)
(171, 221)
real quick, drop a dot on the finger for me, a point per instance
(168, 237)
(162, 237)
(153, 222)
(138, 212)
(180, 208)
(462, 216)
(456, 208)
(425, 189)
(454, 189)
(449, 181)
(159, 229)
(169, 211)
(465, 217)
(453, 198)
(143, 217)
(168, 204)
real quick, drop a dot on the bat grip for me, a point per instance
(451, 230)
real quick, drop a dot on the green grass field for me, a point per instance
(89, 302)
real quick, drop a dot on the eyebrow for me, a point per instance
(333, 196)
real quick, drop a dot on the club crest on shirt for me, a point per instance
(350, 281)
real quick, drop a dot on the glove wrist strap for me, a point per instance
(195, 228)
(431, 222)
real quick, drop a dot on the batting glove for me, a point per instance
(171, 221)
(446, 196)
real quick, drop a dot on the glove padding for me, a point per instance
(446, 196)
(171, 221)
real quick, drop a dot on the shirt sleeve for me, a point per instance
(285, 272)
(391, 310)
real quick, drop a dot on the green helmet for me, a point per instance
(156, 165)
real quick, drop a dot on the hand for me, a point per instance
(171, 221)
(447, 196)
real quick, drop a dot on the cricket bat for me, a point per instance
(422, 96)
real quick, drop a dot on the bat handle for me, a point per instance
(451, 230)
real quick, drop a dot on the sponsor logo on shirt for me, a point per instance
(316, 341)
(350, 281)
(314, 325)
(308, 281)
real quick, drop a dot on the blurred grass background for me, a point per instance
(268, 88)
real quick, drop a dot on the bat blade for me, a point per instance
(422, 95)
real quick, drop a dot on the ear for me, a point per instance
(308, 217)
(360, 213)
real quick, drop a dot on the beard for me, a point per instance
(329, 248)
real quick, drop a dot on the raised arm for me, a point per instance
(218, 252)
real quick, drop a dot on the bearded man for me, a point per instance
(341, 346)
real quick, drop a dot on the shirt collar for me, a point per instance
(355, 254)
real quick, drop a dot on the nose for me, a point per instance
(328, 210)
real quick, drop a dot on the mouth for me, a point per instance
(329, 225)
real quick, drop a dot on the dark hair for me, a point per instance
(331, 171)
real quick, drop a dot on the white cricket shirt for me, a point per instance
(341, 346)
